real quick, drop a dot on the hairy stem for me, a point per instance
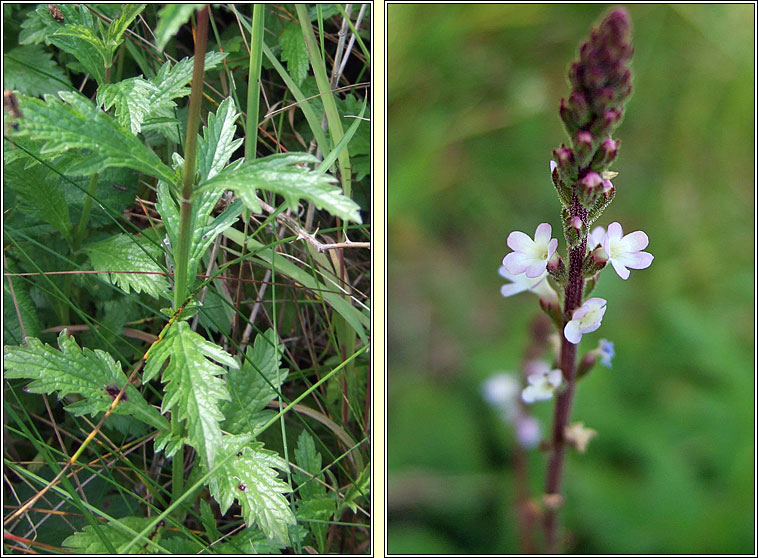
(573, 299)
(181, 253)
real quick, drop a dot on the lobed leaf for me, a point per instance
(205, 228)
(119, 531)
(294, 52)
(131, 98)
(84, 372)
(193, 388)
(249, 476)
(76, 123)
(282, 175)
(83, 43)
(130, 253)
(254, 384)
(217, 144)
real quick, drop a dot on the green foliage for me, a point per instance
(119, 532)
(248, 475)
(283, 175)
(91, 375)
(93, 170)
(73, 122)
(128, 253)
(31, 70)
(253, 385)
(294, 53)
(40, 196)
(18, 309)
(315, 506)
(193, 387)
(170, 18)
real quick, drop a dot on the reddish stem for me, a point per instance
(573, 299)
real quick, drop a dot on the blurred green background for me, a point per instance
(473, 118)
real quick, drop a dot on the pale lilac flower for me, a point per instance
(595, 238)
(521, 283)
(606, 353)
(626, 251)
(529, 256)
(542, 383)
(585, 319)
(528, 431)
(553, 166)
(501, 391)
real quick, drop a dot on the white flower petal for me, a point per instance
(536, 269)
(615, 232)
(555, 377)
(634, 242)
(519, 242)
(512, 289)
(516, 262)
(639, 260)
(542, 234)
(571, 332)
(620, 269)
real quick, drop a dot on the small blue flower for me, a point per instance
(606, 352)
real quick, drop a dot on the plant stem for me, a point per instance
(181, 253)
(573, 299)
(254, 82)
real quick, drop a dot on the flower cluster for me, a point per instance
(600, 85)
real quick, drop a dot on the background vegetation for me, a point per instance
(473, 118)
(297, 316)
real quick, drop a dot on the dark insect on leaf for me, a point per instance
(113, 391)
(239, 454)
(10, 104)
(55, 13)
(242, 487)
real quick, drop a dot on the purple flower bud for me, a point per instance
(613, 116)
(583, 146)
(591, 181)
(605, 155)
(590, 188)
(576, 222)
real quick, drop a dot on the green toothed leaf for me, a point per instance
(255, 384)
(283, 175)
(72, 370)
(217, 144)
(73, 122)
(131, 97)
(129, 253)
(249, 476)
(32, 71)
(294, 53)
(193, 388)
(118, 531)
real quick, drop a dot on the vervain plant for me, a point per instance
(601, 84)
(164, 247)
